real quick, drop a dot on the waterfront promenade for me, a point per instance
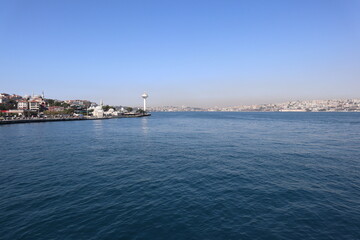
(34, 120)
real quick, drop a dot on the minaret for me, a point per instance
(43, 95)
(144, 96)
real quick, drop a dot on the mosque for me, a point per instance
(98, 110)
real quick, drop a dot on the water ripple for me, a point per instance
(183, 176)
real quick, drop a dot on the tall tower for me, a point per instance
(145, 96)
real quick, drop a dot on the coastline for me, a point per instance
(37, 120)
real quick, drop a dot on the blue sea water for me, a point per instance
(183, 176)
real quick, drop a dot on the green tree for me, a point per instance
(50, 102)
(51, 113)
(106, 108)
(140, 111)
(3, 106)
(64, 104)
(12, 104)
(129, 109)
(69, 111)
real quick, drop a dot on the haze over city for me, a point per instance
(195, 53)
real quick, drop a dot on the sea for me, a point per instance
(183, 175)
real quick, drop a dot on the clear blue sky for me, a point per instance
(197, 53)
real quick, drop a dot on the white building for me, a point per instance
(112, 113)
(4, 97)
(23, 104)
(145, 96)
(98, 111)
(34, 105)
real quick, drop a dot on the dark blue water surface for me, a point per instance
(183, 176)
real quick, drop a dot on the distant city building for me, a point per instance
(78, 103)
(112, 112)
(35, 104)
(55, 109)
(23, 104)
(342, 105)
(38, 103)
(4, 98)
(15, 97)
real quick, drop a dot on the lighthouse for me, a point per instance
(145, 96)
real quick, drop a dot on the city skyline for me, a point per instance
(313, 105)
(202, 54)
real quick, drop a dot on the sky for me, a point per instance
(199, 53)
